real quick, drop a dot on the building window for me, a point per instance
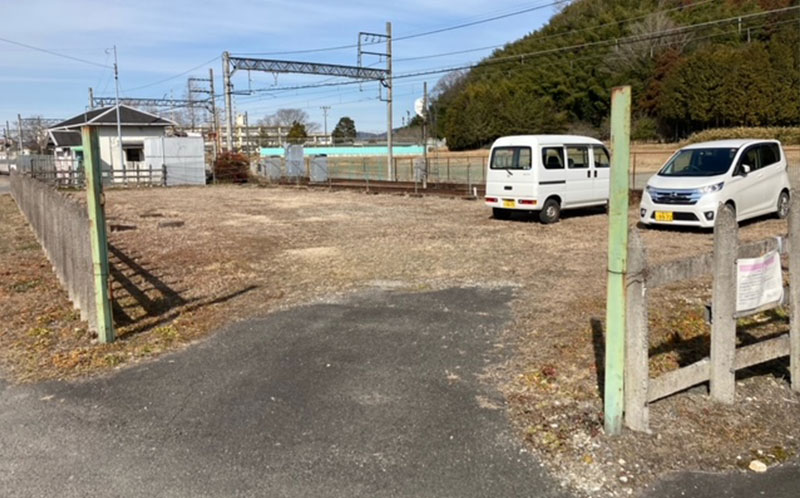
(134, 154)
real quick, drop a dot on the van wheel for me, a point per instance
(551, 212)
(501, 214)
(783, 205)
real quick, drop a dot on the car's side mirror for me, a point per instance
(745, 170)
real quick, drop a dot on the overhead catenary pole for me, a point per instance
(226, 83)
(91, 98)
(389, 98)
(214, 122)
(190, 98)
(119, 123)
(617, 259)
(389, 151)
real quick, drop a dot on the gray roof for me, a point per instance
(66, 138)
(107, 116)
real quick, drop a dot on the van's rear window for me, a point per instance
(511, 158)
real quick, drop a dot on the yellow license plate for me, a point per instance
(508, 203)
(663, 215)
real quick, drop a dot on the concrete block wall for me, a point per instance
(61, 226)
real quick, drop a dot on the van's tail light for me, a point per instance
(526, 202)
(491, 199)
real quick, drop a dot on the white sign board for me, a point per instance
(759, 281)
(184, 158)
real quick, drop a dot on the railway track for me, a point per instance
(384, 187)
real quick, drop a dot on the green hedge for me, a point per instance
(788, 135)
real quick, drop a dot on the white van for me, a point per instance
(750, 175)
(546, 173)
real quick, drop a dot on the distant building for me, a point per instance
(67, 146)
(136, 127)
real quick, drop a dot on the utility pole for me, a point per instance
(425, 131)
(91, 98)
(325, 110)
(119, 124)
(390, 159)
(5, 142)
(19, 134)
(226, 82)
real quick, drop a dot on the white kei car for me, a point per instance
(750, 175)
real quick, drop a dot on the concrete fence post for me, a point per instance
(794, 292)
(723, 306)
(637, 366)
(617, 260)
(95, 203)
(163, 175)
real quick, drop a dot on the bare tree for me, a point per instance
(649, 37)
(34, 134)
(287, 117)
(449, 81)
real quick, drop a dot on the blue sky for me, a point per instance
(157, 41)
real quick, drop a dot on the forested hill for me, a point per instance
(688, 70)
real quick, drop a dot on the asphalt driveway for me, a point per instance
(377, 395)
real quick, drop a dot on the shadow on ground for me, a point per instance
(143, 298)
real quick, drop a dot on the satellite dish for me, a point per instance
(419, 107)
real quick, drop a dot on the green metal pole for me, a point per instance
(617, 254)
(95, 203)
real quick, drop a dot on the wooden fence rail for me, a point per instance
(719, 369)
(76, 178)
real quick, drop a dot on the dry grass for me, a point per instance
(244, 251)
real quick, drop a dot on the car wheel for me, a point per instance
(551, 212)
(783, 205)
(501, 214)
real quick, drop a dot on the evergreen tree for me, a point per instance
(683, 81)
(345, 131)
(297, 133)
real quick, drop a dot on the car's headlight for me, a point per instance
(649, 189)
(711, 188)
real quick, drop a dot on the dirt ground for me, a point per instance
(188, 260)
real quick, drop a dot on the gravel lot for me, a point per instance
(187, 260)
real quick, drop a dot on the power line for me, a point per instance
(184, 73)
(64, 56)
(579, 59)
(414, 78)
(597, 43)
(481, 21)
(619, 41)
(326, 95)
(414, 35)
(556, 35)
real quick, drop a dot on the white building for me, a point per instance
(148, 154)
(136, 126)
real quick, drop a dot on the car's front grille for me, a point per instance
(674, 196)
